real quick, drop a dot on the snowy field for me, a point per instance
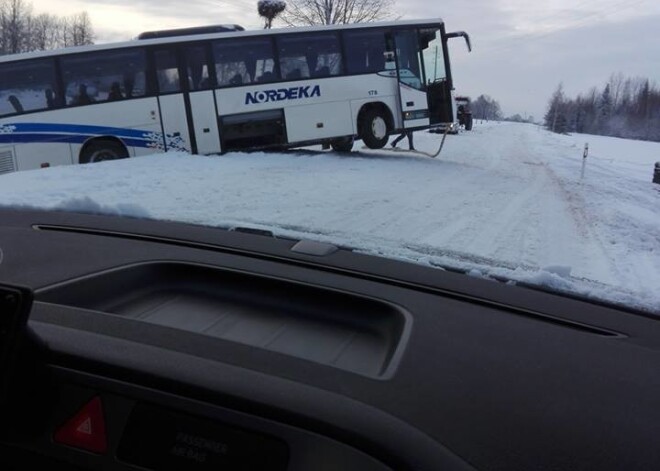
(506, 200)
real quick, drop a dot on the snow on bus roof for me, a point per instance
(199, 37)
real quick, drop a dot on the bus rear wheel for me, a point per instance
(374, 130)
(102, 150)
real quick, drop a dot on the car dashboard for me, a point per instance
(158, 345)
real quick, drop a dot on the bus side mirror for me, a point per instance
(461, 34)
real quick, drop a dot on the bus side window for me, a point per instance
(230, 68)
(293, 62)
(23, 86)
(244, 61)
(167, 71)
(365, 51)
(309, 55)
(409, 58)
(197, 68)
(98, 77)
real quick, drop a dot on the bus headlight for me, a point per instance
(417, 114)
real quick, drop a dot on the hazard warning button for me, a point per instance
(86, 429)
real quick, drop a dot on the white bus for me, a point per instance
(213, 90)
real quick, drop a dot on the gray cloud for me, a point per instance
(201, 11)
(522, 73)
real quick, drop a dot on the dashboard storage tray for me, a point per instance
(343, 330)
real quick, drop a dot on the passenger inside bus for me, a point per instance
(83, 98)
(50, 98)
(115, 92)
(294, 74)
(15, 103)
(323, 72)
(129, 85)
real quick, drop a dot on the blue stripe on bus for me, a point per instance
(25, 138)
(79, 133)
(75, 129)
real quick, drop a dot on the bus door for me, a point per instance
(173, 113)
(200, 98)
(187, 104)
(412, 91)
(438, 78)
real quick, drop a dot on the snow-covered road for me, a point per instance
(505, 199)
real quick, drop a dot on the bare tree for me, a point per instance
(44, 32)
(327, 12)
(14, 24)
(77, 30)
(485, 107)
(555, 118)
(23, 31)
(616, 83)
(269, 10)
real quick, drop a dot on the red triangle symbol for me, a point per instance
(86, 429)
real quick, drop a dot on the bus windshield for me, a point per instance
(432, 51)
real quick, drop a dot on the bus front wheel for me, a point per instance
(374, 130)
(102, 150)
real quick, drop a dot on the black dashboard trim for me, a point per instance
(199, 380)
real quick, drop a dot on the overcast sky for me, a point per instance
(522, 48)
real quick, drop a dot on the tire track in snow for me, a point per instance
(525, 215)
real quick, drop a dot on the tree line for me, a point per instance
(627, 107)
(23, 30)
(485, 107)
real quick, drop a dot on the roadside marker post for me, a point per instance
(585, 153)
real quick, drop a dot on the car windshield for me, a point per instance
(532, 160)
